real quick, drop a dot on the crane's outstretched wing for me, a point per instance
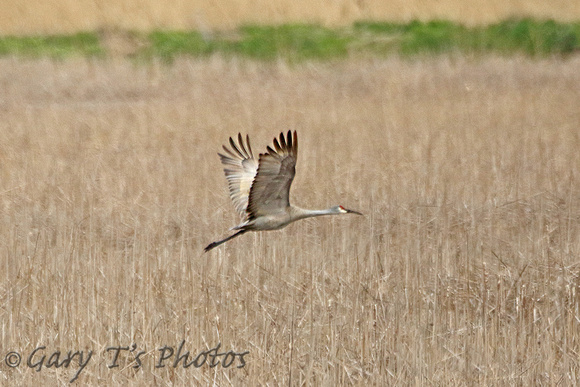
(240, 169)
(271, 188)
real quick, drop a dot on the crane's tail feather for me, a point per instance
(217, 243)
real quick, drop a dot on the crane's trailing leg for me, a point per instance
(216, 244)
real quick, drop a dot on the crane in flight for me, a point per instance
(260, 188)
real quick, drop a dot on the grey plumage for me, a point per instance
(260, 189)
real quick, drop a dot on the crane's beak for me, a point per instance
(352, 212)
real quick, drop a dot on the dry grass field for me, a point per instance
(66, 16)
(465, 269)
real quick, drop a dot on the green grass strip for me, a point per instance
(55, 46)
(535, 38)
(299, 42)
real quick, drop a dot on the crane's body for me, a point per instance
(260, 189)
(283, 218)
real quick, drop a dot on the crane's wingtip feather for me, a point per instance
(249, 147)
(270, 150)
(235, 148)
(241, 142)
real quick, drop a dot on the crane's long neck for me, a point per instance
(301, 213)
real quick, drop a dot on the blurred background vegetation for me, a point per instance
(298, 42)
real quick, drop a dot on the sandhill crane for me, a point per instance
(260, 189)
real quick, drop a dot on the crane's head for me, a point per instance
(342, 210)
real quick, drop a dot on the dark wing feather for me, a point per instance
(271, 188)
